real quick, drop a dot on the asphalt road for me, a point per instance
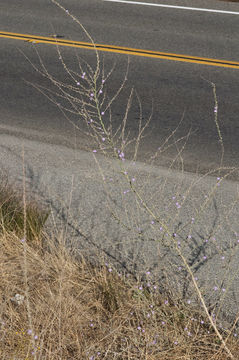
(67, 179)
(179, 90)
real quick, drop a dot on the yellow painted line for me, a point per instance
(120, 49)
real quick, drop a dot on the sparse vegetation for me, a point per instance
(74, 310)
(58, 304)
(12, 213)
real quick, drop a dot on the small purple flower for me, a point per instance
(189, 236)
(100, 91)
(163, 322)
(139, 327)
(103, 139)
(189, 301)
(78, 83)
(102, 113)
(29, 332)
(148, 272)
(204, 257)
(94, 151)
(166, 302)
(133, 179)
(215, 288)
(152, 222)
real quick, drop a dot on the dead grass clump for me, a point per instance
(73, 310)
(12, 212)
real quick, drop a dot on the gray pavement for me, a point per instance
(90, 211)
(178, 90)
(66, 178)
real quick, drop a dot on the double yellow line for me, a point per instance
(119, 49)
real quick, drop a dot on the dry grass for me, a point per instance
(73, 310)
(12, 214)
(58, 305)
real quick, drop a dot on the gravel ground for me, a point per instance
(83, 199)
